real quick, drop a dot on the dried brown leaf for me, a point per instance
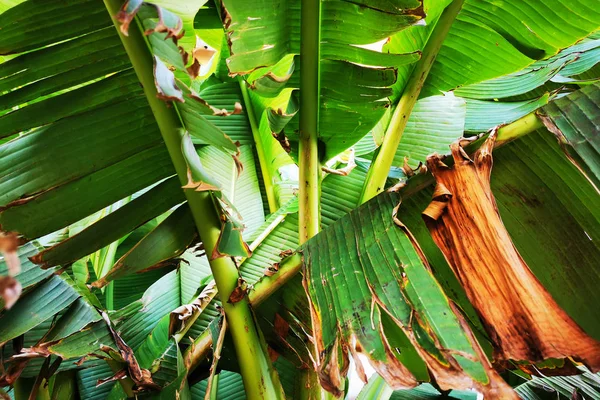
(10, 290)
(239, 292)
(521, 318)
(141, 377)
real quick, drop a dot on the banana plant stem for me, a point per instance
(309, 196)
(260, 379)
(518, 128)
(380, 167)
(268, 285)
(310, 170)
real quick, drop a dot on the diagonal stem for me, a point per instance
(260, 379)
(380, 168)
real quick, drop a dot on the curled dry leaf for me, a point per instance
(441, 196)
(12, 373)
(221, 112)
(239, 166)
(10, 290)
(286, 253)
(140, 376)
(408, 171)
(522, 319)
(283, 141)
(239, 292)
(122, 374)
(166, 86)
(168, 22)
(198, 186)
(127, 14)
(9, 243)
(272, 269)
(180, 316)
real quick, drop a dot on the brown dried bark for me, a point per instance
(522, 319)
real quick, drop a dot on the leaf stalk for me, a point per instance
(260, 379)
(380, 168)
(310, 169)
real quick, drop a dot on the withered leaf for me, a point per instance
(10, 290)
(239, 292)
(140, 376)
(179, 317)
(521, 318)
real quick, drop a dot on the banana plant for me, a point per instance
(193, 151)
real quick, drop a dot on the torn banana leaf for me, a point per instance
(39, 197)
(87, 379)
(164, 19)
(566, 61)
(137, 320)
(29, 274)
(241, 188)
(114, 226)
(230, 242)
(534, 185)
(257, 43)
(518, 33)
(177, 388)
(144, 327)
(575, 120)
(176, 66)
(158, 248)
(434, 123)
(586, 385)
(50, 316)
(506, 294)
(35, 307)
(31, 34)
(484, 115)
(379, 270)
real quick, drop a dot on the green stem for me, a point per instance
(376, 389)
(260, 149)
(268, 285)
(260, 379)
(22, 388)
(380, 168)
(109, 294)
(309, 196)
(518, 128)
(65, 386)
(515, 130)
(214, 388)
(310, 169)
